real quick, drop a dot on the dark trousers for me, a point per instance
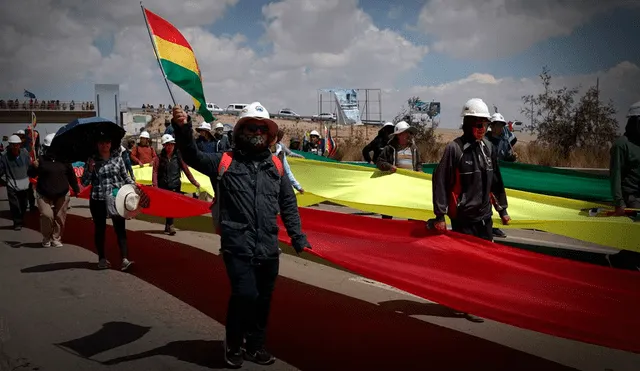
(252, 283)
(17, 205)
(169, 221)
(99, 214)
(482, 229)
(31, 195)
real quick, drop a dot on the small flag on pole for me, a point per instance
(28, 94)
(177, 60)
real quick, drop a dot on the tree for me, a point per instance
(561, 121)
(422, 122)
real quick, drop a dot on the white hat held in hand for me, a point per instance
(48, 139)
(128, 201)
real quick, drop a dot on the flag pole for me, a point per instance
(155, 51)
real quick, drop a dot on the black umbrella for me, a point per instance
(77, 140)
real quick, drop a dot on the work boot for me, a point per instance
(261, 357)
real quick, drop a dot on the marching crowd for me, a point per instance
(253, 184)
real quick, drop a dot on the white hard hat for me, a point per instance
(205, 126)
(145, 134)
(497, 117)
(313, 132)
(387, 124)
(634, 110)
(476, 107)
(167, 138)
(14, 139)
(48, 139)
(256, 111)
(219, 125)
(403, 126)
(19, 132)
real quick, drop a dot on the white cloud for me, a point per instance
(500, 28)
(618, 83)
(309, 53)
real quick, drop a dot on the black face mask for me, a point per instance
(251, 144)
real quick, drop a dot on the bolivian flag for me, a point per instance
(177, 60)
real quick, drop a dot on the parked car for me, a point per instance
(288, 112)
(517, 126)
(235, 108)
(324, 117)
(214, 108)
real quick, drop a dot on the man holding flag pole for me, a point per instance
(247, 224)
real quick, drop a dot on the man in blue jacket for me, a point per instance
(250, 191)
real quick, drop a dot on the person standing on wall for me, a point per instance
(52, 189)
(251, 190)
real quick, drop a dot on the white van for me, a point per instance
(235, 108)
(518, 126)
(214, 108)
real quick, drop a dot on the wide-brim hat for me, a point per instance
(271, 125)
(128, 201)
(410, 129)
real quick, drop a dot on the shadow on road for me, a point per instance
(414, 308)
(310, 327)
(204, 353)
(52, 267)
(112, 335)
(29, 245)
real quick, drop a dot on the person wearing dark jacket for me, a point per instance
(377, 144)
(205, 138)
(467, 181)
(167, 173)
(401, 151)
(54, 180)
(220, 141)
(625, 180)
(250, 191)
(14, 165)
(503, 141)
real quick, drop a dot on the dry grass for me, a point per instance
(351, 140)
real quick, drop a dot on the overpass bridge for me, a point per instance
(19, 115)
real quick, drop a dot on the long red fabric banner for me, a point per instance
(552, 295)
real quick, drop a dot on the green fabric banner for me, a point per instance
(534, 178)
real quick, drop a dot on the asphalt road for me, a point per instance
(58, 313)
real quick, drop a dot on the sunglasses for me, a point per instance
(480, 124)
(254, 128)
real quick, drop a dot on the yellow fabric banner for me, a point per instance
(407, 194)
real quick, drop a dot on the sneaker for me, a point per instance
(56, 243)
(497, 232)
(46, 243)
(233, 357)
(104, 264)
(126, 263)
(170, 230)
(261, 357)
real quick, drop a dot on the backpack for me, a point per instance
(223, 166)
(454, 196)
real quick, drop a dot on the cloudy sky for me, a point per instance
(281, 52)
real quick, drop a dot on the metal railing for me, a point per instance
(27, 105)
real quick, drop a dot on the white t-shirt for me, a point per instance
(405, 159)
